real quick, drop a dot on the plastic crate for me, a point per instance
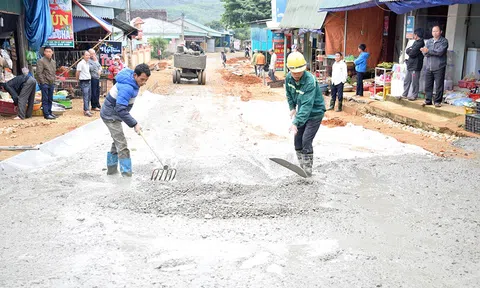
(472, 123)
(467, 84)
(8, 108)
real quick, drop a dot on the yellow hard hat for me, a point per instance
(296, 62)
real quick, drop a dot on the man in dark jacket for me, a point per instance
(436, 56)
(116, 109)
(22, 90)
(414, 65)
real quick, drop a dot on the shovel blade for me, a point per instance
(290, 166)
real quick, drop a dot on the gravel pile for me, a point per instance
(418, 131)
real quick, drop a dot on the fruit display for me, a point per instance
(349, 58)
(387, 65)
(470, 78)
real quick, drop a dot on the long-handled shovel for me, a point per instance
(161, 174)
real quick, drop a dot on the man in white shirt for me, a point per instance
(273, 64)
(84, 78)
(339, 77)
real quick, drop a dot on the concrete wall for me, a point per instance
(456, 33)
(473, 37)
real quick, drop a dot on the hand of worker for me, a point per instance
(293, 129)
(293, 112)
(138, 129)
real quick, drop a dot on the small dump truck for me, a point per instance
(189, 65)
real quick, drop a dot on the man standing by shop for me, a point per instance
(436, 57)
(339, 78)
(95, 72)
(307, 108)
(414, 65)
(273, 65)
(46, 68)
(84, 80)
(361, 67)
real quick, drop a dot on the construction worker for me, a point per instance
(307, 108)
(116, 109)
(261, 60)
(254, 61)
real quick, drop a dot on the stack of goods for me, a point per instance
(7, 107)
(468, 82)
(398, 78)
(61, 98)
(457, 98)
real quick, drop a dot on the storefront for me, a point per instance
(12, 39)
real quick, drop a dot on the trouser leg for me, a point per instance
(429, 80)
(415, 84)
(407, 83)
(439, 76)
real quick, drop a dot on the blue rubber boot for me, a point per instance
(126, 167)
(112, 163)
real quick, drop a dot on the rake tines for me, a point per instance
(166, 174)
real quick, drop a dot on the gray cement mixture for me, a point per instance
(233, 218)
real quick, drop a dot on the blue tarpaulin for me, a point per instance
(402, 7)
(81, 24)
(38, 22)
(399, 7)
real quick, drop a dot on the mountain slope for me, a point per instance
(193, 9)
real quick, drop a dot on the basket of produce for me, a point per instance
(37, 105)
(386, 65)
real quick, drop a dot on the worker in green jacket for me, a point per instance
(307, 108)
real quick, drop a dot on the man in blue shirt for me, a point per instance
(361, 67)
(116, 109)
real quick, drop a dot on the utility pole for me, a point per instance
(129, 41)
(183, 29)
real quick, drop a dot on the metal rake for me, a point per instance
(166, 173)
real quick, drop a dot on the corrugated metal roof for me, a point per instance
(99, 11)
(158, 27)
(195, 26)
(303, 14)
(329, 4)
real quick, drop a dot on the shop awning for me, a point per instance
(100, 22)
(345, 5)
(399, 7)
(303, 14)
(402, 7)
(125, 27)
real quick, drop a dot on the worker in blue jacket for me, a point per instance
(361, 67)
(116, 109)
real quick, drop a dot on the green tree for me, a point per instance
(215, 25)
(242, 33)
(239, 13)
(158, 43)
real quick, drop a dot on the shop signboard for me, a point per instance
(410, 26)
(107, 50)
(62, 20)
(279, 50)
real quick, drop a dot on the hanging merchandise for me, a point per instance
(38, 22)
